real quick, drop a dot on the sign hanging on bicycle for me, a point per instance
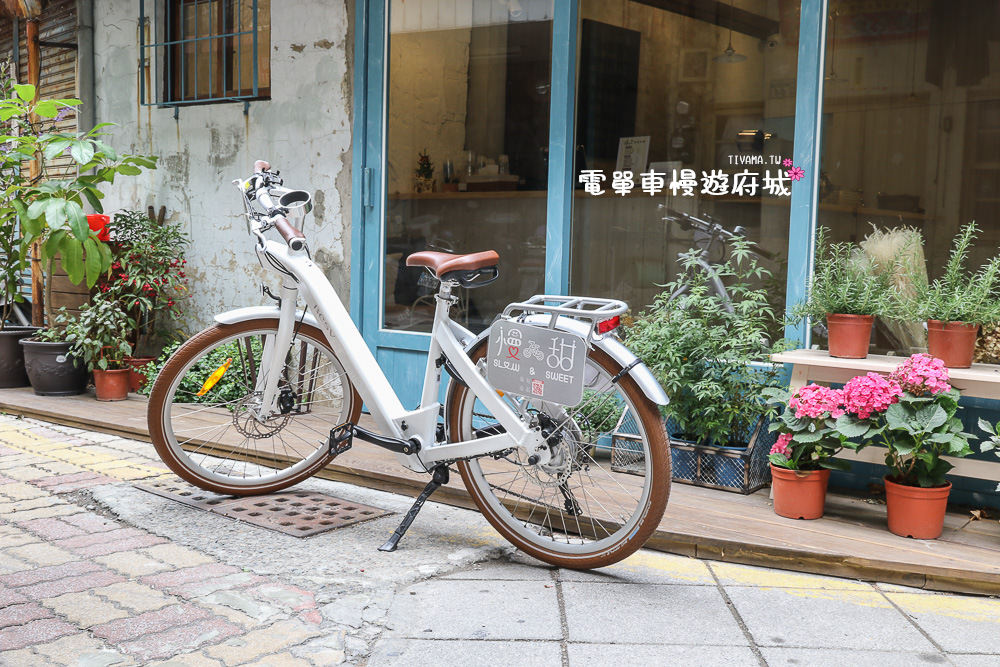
(536, 363)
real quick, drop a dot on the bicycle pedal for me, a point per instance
(341, 438)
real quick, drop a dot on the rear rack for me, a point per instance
(590, 309)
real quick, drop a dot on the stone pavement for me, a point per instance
(95, 572)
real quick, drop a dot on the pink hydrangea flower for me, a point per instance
(782, 446)
(922, 374)
(867, 394)
(816, 401)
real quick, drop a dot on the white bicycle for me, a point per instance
(269, 395)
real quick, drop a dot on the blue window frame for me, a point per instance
(402, 352)
(204, 51)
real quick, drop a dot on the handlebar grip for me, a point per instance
(261, 165)
(295, 239)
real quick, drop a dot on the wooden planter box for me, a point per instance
(740, 469)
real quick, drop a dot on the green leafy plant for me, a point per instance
(425, 168)
(10, 243)
(809, 437)
(993, 443)
(50, 209)
(917, 433)
(147, 272)
(54, 333)
(97, 336)
(602, 413)
(913, 413)
(846, 282)
(713, 363)
(958, 295)
(231, 387)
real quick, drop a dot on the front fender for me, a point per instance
(261, 312)
(608, 344)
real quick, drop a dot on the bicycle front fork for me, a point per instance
(272, 359)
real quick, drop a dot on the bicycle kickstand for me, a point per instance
(440, 477)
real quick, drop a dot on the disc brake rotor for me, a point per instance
(247, 424)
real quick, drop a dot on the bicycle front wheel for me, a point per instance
(202, 410)
(604, 491)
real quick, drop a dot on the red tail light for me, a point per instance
(608, 325)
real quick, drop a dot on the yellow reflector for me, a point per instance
(214, 377)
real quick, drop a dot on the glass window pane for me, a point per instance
(911, 129)
(708, 87)
(467, 148)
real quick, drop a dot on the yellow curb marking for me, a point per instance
(94, 462)
(982, 610)
(731, 573)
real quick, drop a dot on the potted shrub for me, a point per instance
(51, 210)
(51, 368)
(913, 412)
(98, 338)
(423, 175)
(148, 276)
(802, 457)
(957, 303)
(712, 357)
(12, 372)
(849, 292)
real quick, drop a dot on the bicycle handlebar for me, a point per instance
(709, 226)
(264, 178)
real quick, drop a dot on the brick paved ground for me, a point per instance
(80, 588)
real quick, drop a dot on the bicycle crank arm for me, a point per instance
(342, 435)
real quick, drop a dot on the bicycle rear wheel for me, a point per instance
(215, 442)
(581, 510)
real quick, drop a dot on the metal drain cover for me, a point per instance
(183, 492)
(299, 513)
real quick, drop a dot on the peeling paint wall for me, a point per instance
(304, 130)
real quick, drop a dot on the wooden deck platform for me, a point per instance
(850, 541)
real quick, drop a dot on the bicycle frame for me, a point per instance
(302, 275)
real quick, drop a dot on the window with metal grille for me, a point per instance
(202, 51)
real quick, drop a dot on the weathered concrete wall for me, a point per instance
(304, 130)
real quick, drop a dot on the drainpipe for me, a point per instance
(34, 171)
(86, 116)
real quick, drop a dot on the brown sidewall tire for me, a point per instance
(659, 446)
(194, 346)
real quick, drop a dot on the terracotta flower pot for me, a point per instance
(799, 494)
(849, 335)
(915, 511)
(111, 385)
(137, 377)
(954, 343)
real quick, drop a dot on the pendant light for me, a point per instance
(730, 55)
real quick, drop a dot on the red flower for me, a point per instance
(98, 223)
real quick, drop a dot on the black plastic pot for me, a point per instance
(51, 370)
(11, 357)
